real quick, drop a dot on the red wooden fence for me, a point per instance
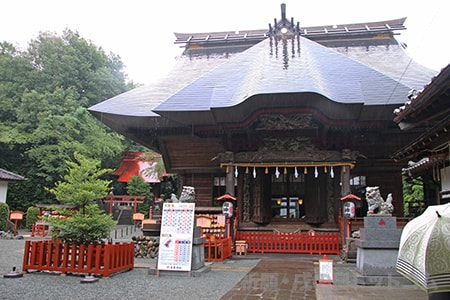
(218, 249)
(291, 242)
(100, 259)
(39, 229)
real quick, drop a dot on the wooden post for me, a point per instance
(345, 190)
(229, 181)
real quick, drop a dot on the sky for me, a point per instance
(141, 31)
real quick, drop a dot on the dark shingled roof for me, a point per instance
(10, 176)
(367, 69)
(291, 66)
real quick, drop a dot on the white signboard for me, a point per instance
(177, 229)
(325, 271)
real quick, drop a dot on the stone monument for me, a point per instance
(377, 247)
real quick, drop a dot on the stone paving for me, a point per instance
(289, 277)
(292, 276)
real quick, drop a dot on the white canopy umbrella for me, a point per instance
(424, 253)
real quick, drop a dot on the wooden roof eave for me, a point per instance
(311, 32)
(426, 163)
(438, 86)
(8, 176)
(434, 140)
(325, 109)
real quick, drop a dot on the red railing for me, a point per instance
(287, 242)
(218, 249)
(99, 259)
(39, 230)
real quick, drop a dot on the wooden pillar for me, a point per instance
(345, 190)
(345, 180)
(229, 181)
(262, 197)
(316, 195)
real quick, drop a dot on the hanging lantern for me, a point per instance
(332, 172)
(267, 170)
(295, 172)
(277, 173)
(316, 172)
(325, 170)
(285, 170)
(345, 169)
(246, 170)
(305, 171)
(254, 172)
(236, 172)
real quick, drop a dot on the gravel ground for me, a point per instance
(135, 284)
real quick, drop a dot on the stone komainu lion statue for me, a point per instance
(376, 203)
(187, 194)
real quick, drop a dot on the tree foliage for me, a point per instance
(91, 227)
(4, 217)
(45, 91)
(81, 187)
(138, 187)
(32, 216)
(82, 184)
(413, 196)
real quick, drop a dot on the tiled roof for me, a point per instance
(292, 66)
(421, 100)
(374, 71)
(10, 176)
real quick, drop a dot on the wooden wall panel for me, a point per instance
(191, 152)
(203, 184)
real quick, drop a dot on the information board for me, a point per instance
(325, 271)
(16, 215)
(177, 229)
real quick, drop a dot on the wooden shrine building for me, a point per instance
(288, 119)
(428, 155)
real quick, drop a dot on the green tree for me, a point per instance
(69, 61)
(91, 227)
(138, 187)
(81, 187)
(82, 184)
(412, 195)
(44, 93)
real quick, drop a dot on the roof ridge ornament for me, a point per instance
(284, 27)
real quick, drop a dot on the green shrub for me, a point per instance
(138, 187)
(32, 216)
(4, 211)
(81, 187)
(91, 227)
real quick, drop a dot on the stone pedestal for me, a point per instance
(377, 251)
(198, 253)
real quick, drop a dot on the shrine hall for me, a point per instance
(286, 119)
